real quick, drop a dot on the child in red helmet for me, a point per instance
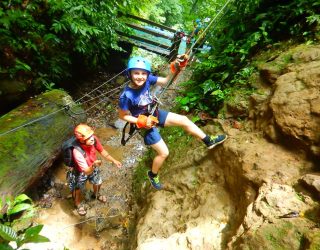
(86, 165)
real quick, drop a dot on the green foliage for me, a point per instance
(202, 97)
(243, 28)
(168, 12)
(13, 211)
(17, 209)
(31, 235)
(41, 40)
(141, 8)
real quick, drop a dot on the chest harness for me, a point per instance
(150, 109)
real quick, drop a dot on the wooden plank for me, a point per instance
(153, 49)
(141, 28)
(157, 50)
(152, 23)
(143, 40)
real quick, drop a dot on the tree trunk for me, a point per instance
(31, 136)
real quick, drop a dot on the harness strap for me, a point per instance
(132, 131)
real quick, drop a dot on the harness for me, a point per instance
(151, 109)
(132, 131)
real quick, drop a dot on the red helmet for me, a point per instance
(83, 132)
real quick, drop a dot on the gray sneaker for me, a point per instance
(216, 140)
(155, 182)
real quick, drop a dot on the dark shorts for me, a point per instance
(152, 136)
(77, 180)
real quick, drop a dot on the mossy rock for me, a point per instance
(30, 139)
(313, 240)
(279, 63)
(237, 104)
(271, 70)
(285, 234)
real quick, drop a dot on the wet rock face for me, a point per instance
(191, 213)
(313, 182)
(289, 112)
(295, 103)
(274, 219)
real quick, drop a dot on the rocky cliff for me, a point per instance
(261, 188)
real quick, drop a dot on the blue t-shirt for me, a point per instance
(137, 100)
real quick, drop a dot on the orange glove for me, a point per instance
(179, 63)
(147, 121)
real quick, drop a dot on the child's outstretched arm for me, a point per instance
(178, 64)
(108, 157)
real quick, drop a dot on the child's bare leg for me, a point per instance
(162, 153)
(174, 119)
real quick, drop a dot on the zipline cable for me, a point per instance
(209, 34)
(103, 94)
(211, 22)
(33, 121)
(112, 90)
(104, 100)
(99, 86)
(65, 107)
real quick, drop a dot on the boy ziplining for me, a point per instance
(135, 103)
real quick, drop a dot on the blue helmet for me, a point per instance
(139, 62)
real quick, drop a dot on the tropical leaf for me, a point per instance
(7, 233)
(32, 231)
(19, 208)
(5, 247)
(184, 100)
(21, 198)
(32, 236)
(207, 86)
(36, 239)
